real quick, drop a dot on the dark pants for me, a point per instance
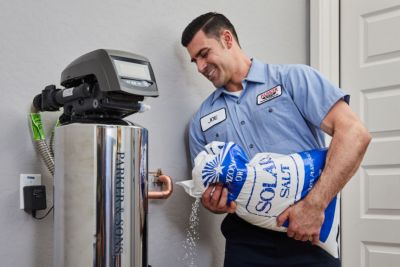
(251, 246)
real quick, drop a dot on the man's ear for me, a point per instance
(227, 38)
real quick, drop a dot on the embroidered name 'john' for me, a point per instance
(269, 95)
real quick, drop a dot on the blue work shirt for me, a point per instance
(280, 110)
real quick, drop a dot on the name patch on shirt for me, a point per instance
(212, 119)
(269, 95)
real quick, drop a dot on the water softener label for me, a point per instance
(68, 92)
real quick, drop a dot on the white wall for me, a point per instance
(38, 39)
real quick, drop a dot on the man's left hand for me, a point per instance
(305, 221)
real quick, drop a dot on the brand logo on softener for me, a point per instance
(119, 201)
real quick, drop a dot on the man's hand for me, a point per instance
(305, 221)
(214, 199)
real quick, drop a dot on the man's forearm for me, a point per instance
(346, 151)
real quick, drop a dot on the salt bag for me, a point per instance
(264, 186)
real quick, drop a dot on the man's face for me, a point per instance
(211, 57)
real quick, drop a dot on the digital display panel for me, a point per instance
(132, 70)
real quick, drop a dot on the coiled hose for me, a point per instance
(39, 139)
(46, 155)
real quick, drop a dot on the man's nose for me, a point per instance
(201, 65)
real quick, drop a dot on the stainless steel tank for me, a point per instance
(100, 195)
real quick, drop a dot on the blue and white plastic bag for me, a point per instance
(264, 186)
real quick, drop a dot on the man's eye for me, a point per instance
(204, 54)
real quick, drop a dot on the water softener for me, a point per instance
(101, 170)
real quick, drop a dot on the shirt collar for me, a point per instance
(256, 74)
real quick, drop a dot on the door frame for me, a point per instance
(325, 38)
(325, 51)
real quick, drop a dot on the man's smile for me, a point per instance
(210, 72)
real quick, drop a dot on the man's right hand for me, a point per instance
(215, 198)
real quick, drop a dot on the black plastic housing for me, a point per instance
(35, 197)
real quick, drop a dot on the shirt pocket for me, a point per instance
(273, 122)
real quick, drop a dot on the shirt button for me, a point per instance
(242, 122)
(270, 110)
(251, 145)
(238, 101)
(217, 135)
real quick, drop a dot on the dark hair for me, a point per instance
(211, 23)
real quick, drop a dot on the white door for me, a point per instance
(370, 71)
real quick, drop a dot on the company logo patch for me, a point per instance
(212, 119)
(269, 95)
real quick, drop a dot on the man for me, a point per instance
(271, 108)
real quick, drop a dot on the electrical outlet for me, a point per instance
(26, 180)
